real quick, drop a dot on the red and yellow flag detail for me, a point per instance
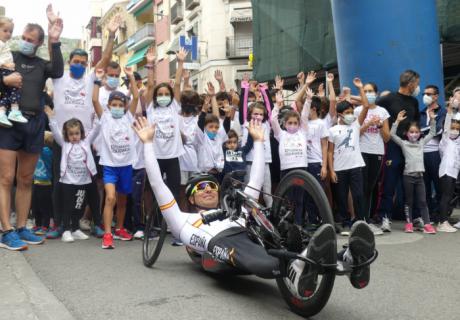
(168, 205)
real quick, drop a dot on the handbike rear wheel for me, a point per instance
(305, 307)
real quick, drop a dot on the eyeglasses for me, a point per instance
(201, 186)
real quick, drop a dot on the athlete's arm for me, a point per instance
(256, 178)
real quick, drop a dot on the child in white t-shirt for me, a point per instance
(344, 156)
(76, 169)
(117, 154)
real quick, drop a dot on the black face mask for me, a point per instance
(188, 108)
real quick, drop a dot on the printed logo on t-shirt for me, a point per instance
(76, 164)
(293, 148)
(119, 140)
(165, 128)
(74, 97)
(234, 156)
(346, 143)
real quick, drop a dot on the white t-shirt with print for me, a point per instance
(316, 131)
(210, 153)
(293, 149)
(168, 141)
(347, 153)
(267, 148)
(371, 141)
(117, 147)
(189, 160)
(72, 99)
(76, 171)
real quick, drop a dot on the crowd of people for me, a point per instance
(75, 158)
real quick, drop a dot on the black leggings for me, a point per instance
(415, 196)
(447, 191)
(371, 174)
(73, 205)
(349, 180)
(171, 168)
(42, 206)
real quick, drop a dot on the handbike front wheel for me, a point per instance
(305, 307)
(154, 236)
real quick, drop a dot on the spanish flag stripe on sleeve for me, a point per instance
(168, 205)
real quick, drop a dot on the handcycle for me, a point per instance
(272, 228)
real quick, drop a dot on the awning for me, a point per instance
(241, 15)
(138, 56)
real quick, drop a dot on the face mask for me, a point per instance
(211, 135)
(413, 137)
(117, 112)
(427, 100)
(163, 101)
(348, 118)
(292, 128)
(257, 117)
(455, 104)
(416, 91)
(188, 108)
(77, 70)
(371, 97)
(453, 134)
(26, 48)
(112, 82)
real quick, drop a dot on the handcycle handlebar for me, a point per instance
(212, 215)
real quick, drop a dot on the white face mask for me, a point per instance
(453, 134)
(348, 118)
(427, 100)
(455, 104)
(416, 91)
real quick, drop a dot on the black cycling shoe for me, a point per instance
(322, 249)
(360, 249)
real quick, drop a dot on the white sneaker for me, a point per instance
(16, 116)
(386, 225)
(375, 230)
(457, 225)
(85, 224)
(79, 235)
(418, 224)
(445, 227)
(4, 122)
(139, 235)
(67, 237)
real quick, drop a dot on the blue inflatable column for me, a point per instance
(378, 39)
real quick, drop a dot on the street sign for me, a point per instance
(190, 44)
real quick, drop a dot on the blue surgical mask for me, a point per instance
(112, 82)
(163, 101)
(26, 48)
(371, 97)
(77, 70)
(211, 135)
(117, 112)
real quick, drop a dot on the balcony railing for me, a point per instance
(141, 37)
(177, 13)
(191, 4)
(238, 47)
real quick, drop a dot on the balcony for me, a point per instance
(172, 68)
(238, 47)
(137, 6)
(142, 37)
(177, 13)
(191, 4)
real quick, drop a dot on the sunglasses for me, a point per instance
(203, 185)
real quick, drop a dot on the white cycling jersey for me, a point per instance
(188, 227)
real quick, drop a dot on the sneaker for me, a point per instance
(375, 230)
(67, 237)
(4, 122)
(386, 227)
(418, 224)
(98, 232)
(107, 241)
(176, 242)
(409, 228)
(85, 224)
(122, 234)
(428, 228)
(322, 248)
(11, 241)
(445, 227)
(16, 116)
(139, 234)
(457, 225)
(154, 235)
(53, 233)
(360, 249)
(79, 235)
(27, 236)
(41, 231)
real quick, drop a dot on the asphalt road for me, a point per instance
(415, 277)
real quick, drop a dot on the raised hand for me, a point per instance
(301, 78)
(49, 112)
(181, 54)
(279, 82)
(401, 116)
(357, 82)
(311, 77)
(55, 30)
(321, 92)
(211, 90)
(114, 24)
(151, 56)
(279, 99)
(330, 77)
(129, 71)
(52, 17)
(309, 93)
(100, 73)
(256, 131)
(218, 75)
(186, 75)
(144, 130)
(245, 77)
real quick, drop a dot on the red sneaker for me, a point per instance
(107, 241)
(428, 228)
(122, 234)
(409, 228)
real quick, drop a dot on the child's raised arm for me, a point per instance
(181, 55)
(134, 90)
(274, 117)
(97, 84)
(57, 133)
(306, 110)
(394, 128)
(332, 96)
(151, 74)
(362, 116)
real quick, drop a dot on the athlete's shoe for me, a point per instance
(67, 237)
(107, 241)
(79, 235)
(28, 237)
(53, 233)
(361, 246)
(122, 234)
(4, 122)
(16, 116)
(84, 224)
(386, 227)
(375, 230)
(139, 234)
(408, 228)
(322, 249)
(11, 241)
(41, 231)
(418, 224)
(445, 227)
(428, 228)
(457, 225)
